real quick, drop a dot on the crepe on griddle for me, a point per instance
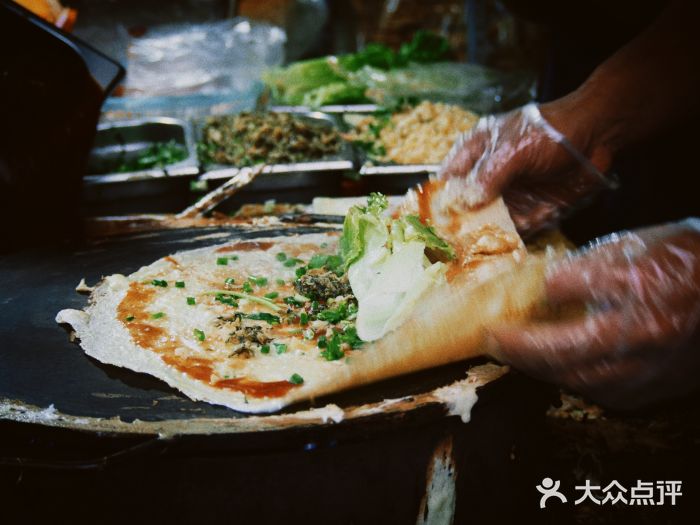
(257, 325)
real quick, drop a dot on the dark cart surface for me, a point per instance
(84, 441)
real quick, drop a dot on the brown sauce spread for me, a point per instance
(194, 367)
(255, 388)
(156, 339)
(490, 240)
(150, 336)
(172, 261)
(455, 224)
(296, 249)
(480, 245)
(146, 335)
(424, 195)
(246, 246)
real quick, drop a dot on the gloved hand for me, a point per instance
(639, 340)
(544, 163)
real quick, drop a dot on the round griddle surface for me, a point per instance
(39, 366)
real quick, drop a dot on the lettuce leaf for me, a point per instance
(387, 265)
(413, 229)
(332, 80)
(290, 84)
(341, 92)
(387, 286)
(364, 228)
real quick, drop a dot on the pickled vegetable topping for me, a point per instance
(274, 138)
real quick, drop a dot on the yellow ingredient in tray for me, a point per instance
(423, 134)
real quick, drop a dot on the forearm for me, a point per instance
(646, 87)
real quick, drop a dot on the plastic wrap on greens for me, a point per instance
(416, 71)
(472, 86)
(324, 81)
(329, 80)
(301, 79)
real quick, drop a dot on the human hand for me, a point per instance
(639, 341)
(541, 172)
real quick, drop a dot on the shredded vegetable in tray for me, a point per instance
(276, 138)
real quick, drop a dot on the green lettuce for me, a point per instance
(335, 93)
(364, 228)
(413, 229)
(334, 80)
(387, 265)
(292, 83)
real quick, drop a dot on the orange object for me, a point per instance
(52, 11)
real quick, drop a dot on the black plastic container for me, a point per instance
(52, 87)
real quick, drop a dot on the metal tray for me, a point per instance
(167, 190)
(399, 169)
(125, 140)
(343, 161)
(333, 109)
(366, 167)
(393, 179)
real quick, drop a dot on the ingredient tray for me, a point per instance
(340, 161)
(123, 142)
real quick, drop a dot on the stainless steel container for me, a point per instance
(123, 141)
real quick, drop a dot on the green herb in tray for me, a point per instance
(158, 155)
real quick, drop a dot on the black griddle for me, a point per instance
(369, 469)
(39, 366)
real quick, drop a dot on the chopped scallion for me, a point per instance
(333, 349)
(226, 298)
(297, 300)
(222, 294)
(263, 316)
(318, 261)
(258, 281)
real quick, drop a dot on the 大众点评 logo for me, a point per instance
(641, 493)
(549, 489)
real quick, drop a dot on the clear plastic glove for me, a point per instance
(638, 342)
(541, 173)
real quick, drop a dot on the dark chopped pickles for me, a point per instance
(273, 138)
